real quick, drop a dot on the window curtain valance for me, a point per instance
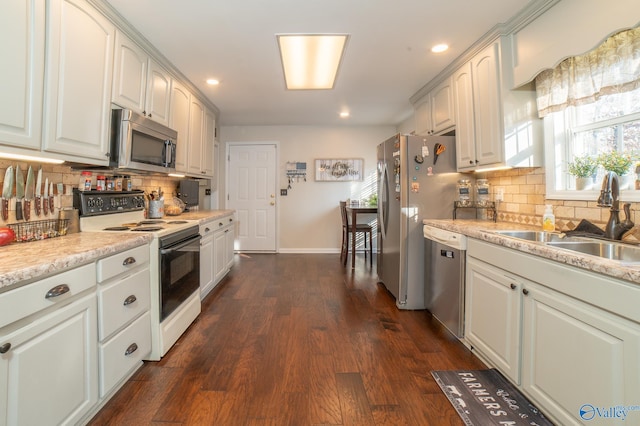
(613, 67)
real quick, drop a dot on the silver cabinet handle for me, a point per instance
(129, 300)
(129, 261)
(131, 349)
(5, 348)
(56, 291)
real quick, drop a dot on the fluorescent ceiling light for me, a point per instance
(311, 61)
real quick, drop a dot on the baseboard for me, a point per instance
(313, 251)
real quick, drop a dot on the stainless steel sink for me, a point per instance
(538, 236)
(605, 249)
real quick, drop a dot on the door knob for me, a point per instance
(273, 195)
(273, 203)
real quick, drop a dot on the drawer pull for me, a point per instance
(131, 349)
(513, 286)
(220, 224)
(129, 261)
(56, 291)
(207, 229)
(5, 348)
(129, 300)
(525, 291)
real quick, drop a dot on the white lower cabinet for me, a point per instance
(48, 359)
(568, 338)
(216, 252)
(124, 322)
(492, 316)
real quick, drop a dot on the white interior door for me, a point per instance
(252, 194)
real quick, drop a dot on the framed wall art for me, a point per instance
(339, 169)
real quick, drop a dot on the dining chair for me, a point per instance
(363, 228)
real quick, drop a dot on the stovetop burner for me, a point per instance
(151, 222)
(177, 222)
(117, 228)
(148, 228)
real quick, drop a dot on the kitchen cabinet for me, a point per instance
(207, 263)
(48, 352)
(495, 125)
(578, 341)
(139, 82)
(492, 315)
(434, 113)
(124, 321)
(22, 85)
(79, 72)
(201, 139)
(179, 121)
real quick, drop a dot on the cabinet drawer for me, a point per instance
(31, 298)
(120, 302)
(115, 363)
(122, 262)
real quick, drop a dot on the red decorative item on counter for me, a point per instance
(7, 236)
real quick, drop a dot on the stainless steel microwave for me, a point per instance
(139, 143)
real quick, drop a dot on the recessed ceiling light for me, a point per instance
(344, 114)
(438, 48)
(213, 82)
(311, 61)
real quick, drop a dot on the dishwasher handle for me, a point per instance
(448, 238)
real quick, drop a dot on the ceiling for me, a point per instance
(387, 59)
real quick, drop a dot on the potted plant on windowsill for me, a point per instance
(619, 163)
(584, 169)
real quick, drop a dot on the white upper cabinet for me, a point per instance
(208, 143)
(78, 76)
(179, 121)
(434, 112)
(196, 136)
(139, 83)
(22, 72)
(495, 126)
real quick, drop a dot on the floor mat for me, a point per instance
(485, 397)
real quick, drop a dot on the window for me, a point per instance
(591, 109)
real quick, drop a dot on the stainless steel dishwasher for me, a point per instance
(444, 277)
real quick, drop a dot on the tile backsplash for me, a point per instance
(64, 174)
(524, 201)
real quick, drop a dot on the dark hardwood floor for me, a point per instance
(297, 340)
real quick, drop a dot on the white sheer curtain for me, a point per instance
(613, 67)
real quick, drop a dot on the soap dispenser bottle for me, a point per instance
(548, 219)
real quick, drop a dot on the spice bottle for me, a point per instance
(126, 183)
(117, 183)
(100, 183)
(85, 181)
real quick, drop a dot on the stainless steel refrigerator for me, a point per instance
(413, 184)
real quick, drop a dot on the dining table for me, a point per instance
(354, 211)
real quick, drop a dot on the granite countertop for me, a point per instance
(21, 263)
(483, 230)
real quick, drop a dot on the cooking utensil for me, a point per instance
(38, 206)
(29, 193)
(51, 197)
(437, 150)
(45, 201)
(7, 189)
(19, 192)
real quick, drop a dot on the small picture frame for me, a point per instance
(339, 169)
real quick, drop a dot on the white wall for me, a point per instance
(309, 217)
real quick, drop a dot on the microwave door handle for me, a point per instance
(166, 158)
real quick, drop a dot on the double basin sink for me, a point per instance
(607, 249)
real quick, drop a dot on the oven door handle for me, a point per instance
(179, 246)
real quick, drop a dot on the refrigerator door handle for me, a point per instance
(384, 202)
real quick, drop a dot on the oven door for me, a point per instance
(179, 274)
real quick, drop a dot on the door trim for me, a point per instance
(228, 146)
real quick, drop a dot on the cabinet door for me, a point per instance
(465, 132)
(179, 121)
(196, 136)
(50, 373)
(220, 254)
(22, 29)
(442, 107)
(489, 138)
(79, 71)
(158, 93)
(209, 140)
(230, 237)
(130, 74)
(492, 316)
(423, 116)
(207, 264)
(577, 357)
